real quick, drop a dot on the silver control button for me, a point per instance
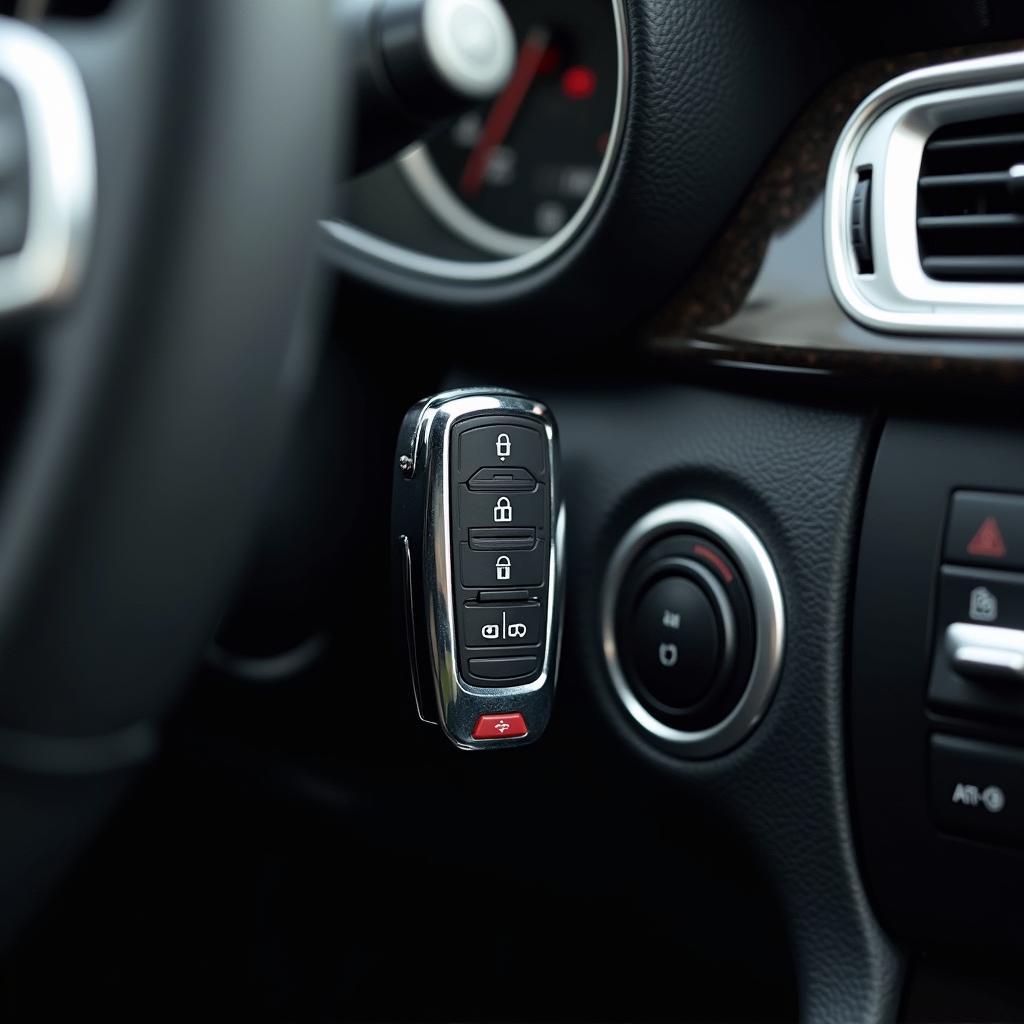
(765, 593)
(989, 652)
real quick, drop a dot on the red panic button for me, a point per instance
(499, 727)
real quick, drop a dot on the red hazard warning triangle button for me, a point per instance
(986, 529)
(988, 541)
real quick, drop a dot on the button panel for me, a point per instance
(501, 526)
(977, 788)
(481, 590)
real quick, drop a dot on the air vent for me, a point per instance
(970, 201)
(945, 149)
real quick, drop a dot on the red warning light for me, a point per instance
(578, 82)
(988, 541)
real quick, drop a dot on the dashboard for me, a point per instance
(844, 533)
(868, 271)
(613, 605)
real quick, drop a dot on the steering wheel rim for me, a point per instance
(162, 393)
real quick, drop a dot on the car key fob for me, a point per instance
(479, 524)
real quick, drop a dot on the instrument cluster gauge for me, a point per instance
(525, 169)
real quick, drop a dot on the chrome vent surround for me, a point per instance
(959, 279)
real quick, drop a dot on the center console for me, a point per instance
(936, 692)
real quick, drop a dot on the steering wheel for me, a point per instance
(177, 154)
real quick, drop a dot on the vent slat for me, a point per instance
(974, 180)
(971, 220)
(970, 208)
(968, 142)
(975, 268)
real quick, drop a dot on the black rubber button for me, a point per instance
(977, 789)
(504, 446)
(503, 567)
(503, 625)
(491, 509)
(676, 642)
(500, 671)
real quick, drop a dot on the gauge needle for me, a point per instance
(505, 108)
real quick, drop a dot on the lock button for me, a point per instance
(483, 569)
(478, 509)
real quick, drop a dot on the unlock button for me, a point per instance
(511, 568)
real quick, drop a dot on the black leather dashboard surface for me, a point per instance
(797, 475)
